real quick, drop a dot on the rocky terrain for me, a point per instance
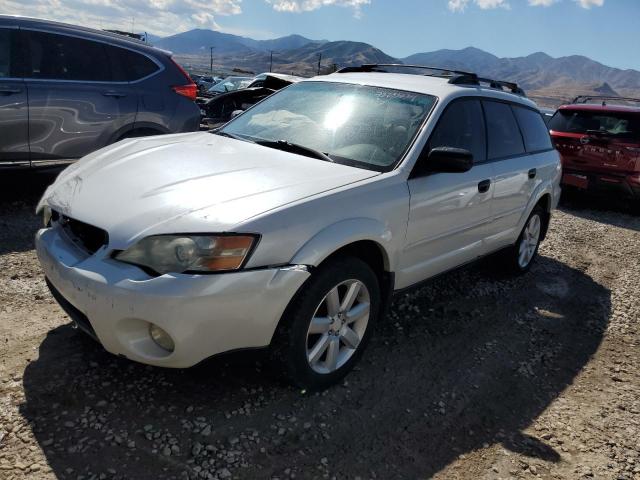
(475, 376)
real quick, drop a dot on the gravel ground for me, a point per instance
(473, 376)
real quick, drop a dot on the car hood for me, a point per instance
(186, 183)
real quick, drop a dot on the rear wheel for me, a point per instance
(327, 326)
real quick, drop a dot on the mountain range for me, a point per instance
(548, 80)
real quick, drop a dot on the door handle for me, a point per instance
(484, 185)
(113, 93)
(532, 173)
(9, 91)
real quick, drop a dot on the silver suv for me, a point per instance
(66, 91)
(293, 225)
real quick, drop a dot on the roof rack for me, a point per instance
(456, 77)
(603, 98)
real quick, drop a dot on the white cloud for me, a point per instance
(542, 3)
(461, 5)
(590, 3)
(297, 6)
(161, 17)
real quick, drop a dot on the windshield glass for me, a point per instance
(364, 126)
(230, 84)
(618, 124)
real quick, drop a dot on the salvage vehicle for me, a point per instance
(598, 138)
(229, 84)
(66, 91)
(220, 109)
(292, 226)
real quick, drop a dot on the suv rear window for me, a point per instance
(60, 57)
(617, 124)
(131, 65)
(534, 130)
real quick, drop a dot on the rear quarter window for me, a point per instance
(129, 65)
(534, 130)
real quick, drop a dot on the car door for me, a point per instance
(14, 115)
(75, 106)
(448, 212)
(516, 167)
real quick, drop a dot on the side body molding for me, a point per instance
(343, 233)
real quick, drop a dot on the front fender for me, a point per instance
(341, 234)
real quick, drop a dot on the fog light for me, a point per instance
(162, 338)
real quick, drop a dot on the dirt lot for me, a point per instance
(474, 376)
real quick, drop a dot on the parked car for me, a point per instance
(219, 109)
(547, 114)
(293, 225)
(600, 144)
(66, 91)
(205, 82)
(229, 84)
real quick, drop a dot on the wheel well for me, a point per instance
(545, 203)
(373, 255)
(140, 132)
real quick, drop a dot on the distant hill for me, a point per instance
(549, 80)
(538, 73)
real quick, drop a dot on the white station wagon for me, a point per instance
(292, 225)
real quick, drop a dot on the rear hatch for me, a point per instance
(597, 140)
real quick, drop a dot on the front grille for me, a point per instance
(86, 236)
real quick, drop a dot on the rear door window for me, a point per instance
(10, 57)
(534, 130)
(61, 57)
(462, 126)
(503, 133)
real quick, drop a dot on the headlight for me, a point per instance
(192, 253)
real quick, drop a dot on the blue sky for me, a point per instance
(605, 30)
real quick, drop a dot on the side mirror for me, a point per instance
(448, 160)
(235, 113)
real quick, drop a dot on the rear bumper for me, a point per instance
(621, 185)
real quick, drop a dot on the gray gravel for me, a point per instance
(476, 375)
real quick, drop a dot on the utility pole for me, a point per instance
(319, 60)
(211, 63)
(271, 62)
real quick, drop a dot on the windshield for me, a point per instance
(364, 126)
(617, 124)
(230, 84)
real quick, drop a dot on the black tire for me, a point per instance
(291, 341)
(511, 256)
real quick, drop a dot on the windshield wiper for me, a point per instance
(231, 135)
(287, 146)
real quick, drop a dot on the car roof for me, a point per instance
(84, 31)
(430, 85)
(593, 107)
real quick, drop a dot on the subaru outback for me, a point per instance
(291, 226)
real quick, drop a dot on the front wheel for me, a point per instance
(326, 328)
(519, 258)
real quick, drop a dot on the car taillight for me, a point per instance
(189, 90)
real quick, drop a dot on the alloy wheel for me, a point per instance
(529, 241)
(338, 326)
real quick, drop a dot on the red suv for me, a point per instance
(600, 144)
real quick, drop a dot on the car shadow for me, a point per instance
(467, 361)
(602, 209)
(20, 191)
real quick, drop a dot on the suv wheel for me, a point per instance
(326, 328)
(521, 255)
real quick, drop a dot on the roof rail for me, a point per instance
(456, 77)
(603, 98)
